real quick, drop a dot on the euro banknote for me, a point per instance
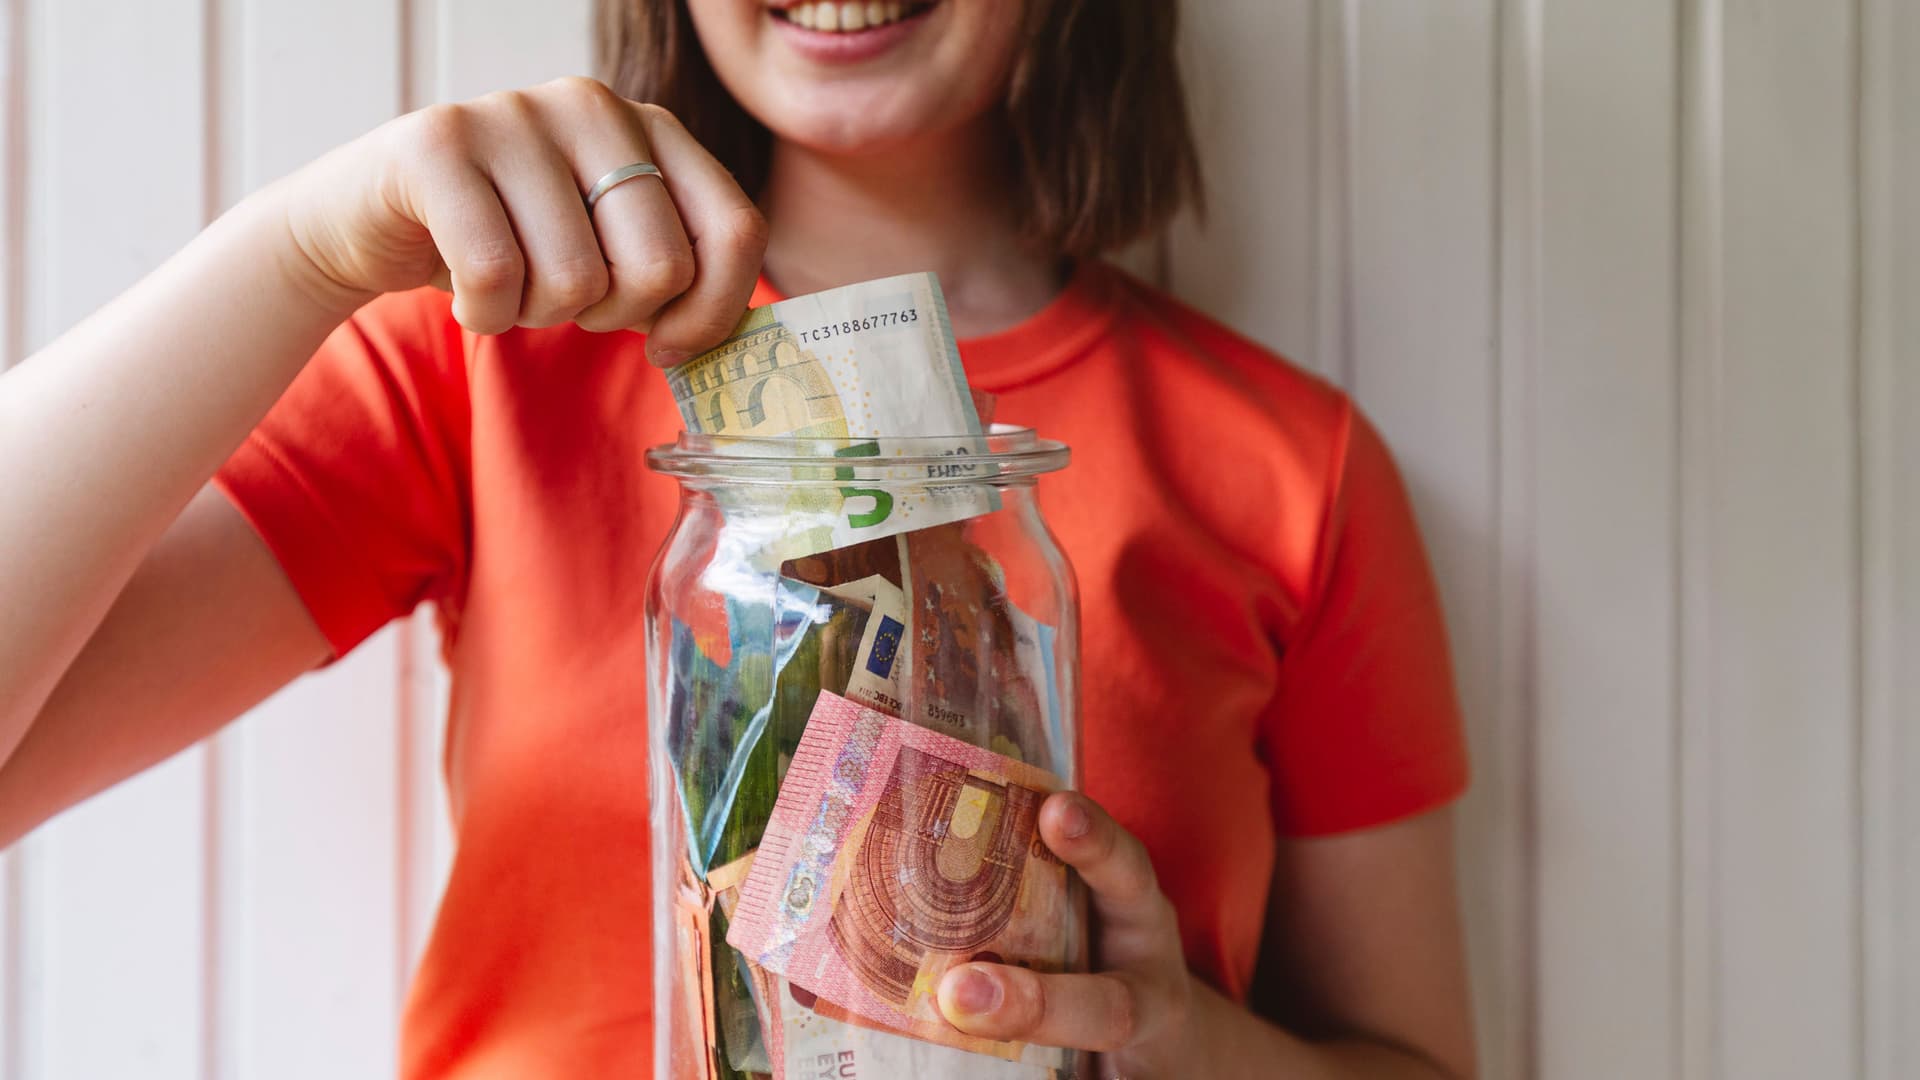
(864, 366)
(894, 853)
(805, 1037)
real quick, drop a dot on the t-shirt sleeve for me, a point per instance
(357, 478)
(1366, 727)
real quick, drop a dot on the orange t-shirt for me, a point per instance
(1261, 643)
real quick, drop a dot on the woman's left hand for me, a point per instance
(1137, 1009)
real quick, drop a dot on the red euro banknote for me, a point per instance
(894, 853)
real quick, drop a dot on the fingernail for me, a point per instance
(976, 992)
(666, 357)
(1074, 821)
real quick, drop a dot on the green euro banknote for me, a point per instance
(865, 366)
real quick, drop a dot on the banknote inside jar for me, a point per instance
(861, 717)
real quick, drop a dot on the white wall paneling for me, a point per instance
(1780, 539)
(285, 874)
(1423, 353)
(1625, 286)
(1599, 164)
(104, 90)
(309, 787)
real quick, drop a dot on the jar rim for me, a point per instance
(1006, 452)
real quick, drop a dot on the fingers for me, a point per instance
(728, 234)
(471, 231)
(565, 270)
(501, 194)
(648, 255)
(1087, 1012)
(1114, 864)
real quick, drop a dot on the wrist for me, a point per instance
(268, 220)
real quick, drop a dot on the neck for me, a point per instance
(941, 206)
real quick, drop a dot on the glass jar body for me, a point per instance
(849, 746)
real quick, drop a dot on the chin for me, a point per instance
(855, 126)
(923, 68)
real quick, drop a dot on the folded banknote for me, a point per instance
(894, 853)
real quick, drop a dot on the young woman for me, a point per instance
(282, 439)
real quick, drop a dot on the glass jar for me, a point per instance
(862, 659)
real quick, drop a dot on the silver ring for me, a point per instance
(620, 176)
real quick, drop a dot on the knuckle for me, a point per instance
(702, 327)
(507, 109)
(746, 230)
(657, 114)
(578, 89)
(492, 266)
(665, 275)
(443, 130)
(1026, 1008)
(575, 282)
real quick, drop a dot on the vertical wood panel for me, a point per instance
(114, 987)
(1781, 547)
(1254, 268)
(314, 926)
(426, 835)
(291, 51)
(486, 45)
(1419, 325)
(310, 798)
(1605, 530)
(1423, 277)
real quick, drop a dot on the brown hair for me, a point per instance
(1100, 147)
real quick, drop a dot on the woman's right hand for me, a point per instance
(486, 198)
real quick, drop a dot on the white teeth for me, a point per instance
(841, 16)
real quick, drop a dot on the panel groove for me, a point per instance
(406, 35)
(1509, 1008)
(1335, 60)
(1702, 333)
(1857, 663)
(409, 851)
(13, 225)
(1882, 951)
(216, 1023)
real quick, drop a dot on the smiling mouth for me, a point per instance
(851, 16)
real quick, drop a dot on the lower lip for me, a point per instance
(827, 47)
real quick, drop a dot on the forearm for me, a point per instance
(107, 433)
(1230, 1042)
